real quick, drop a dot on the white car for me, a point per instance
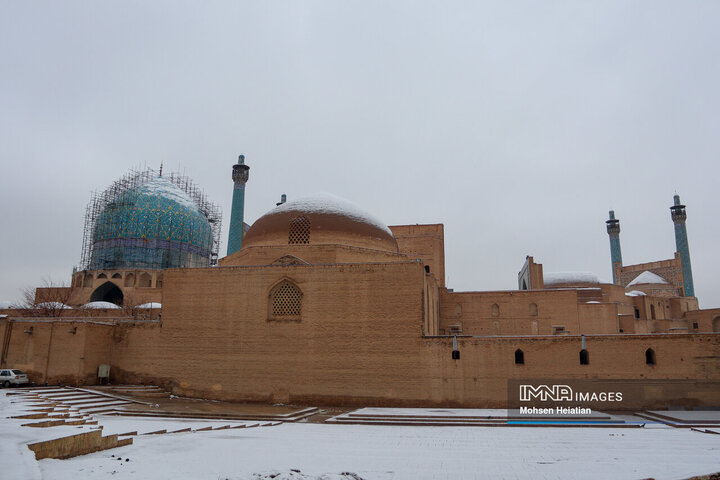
(9, 377)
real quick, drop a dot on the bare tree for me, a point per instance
(50, 300)
(131, 303)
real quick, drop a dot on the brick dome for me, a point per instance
(320, 219)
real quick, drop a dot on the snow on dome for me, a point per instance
(100, 305)
(152, 223)
(333, 205)
(51, 305)
(162, 187)
(636, 293)
(149, 305)
(647, 278)
(562, 278)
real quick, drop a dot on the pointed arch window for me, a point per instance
(144, 280)
(495, 310)
(285, 302)
(519, 357)
(533, 309)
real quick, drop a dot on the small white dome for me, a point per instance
(149, 305)
(100, 305)
(51, 305)
(646, 278)
(570, 278)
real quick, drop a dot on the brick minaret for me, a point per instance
(613, 229)
(240, 175)
(677, 212)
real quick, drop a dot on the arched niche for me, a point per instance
(107, 292)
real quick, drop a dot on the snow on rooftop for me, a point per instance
(636, 293)
(51, 305)
(7, 304)
(149, 305)
(647, 278)
(560, 278)
(100, 305)
(333, 205)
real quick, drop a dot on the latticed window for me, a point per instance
(286, 301)
(299, 230)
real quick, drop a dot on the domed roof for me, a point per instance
(320, 219)
(648, 278)
(570, 279)
(153, 225)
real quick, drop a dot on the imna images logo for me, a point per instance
(564, 393)
(544, 393)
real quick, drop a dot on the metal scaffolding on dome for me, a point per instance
(181, 239)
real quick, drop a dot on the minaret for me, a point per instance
(240, 174)
(677, 212)
(613, 229)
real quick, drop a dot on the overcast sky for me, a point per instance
(517, 125)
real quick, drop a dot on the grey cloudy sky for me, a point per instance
(516, 124)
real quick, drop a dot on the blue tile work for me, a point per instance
(679, 215)
(681, 245)
(613, 229)
(240, 175)
(154, 225)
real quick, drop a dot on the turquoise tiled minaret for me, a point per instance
(613, 229)
(677, 212)
(240, 175)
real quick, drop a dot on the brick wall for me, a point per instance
(426, 242)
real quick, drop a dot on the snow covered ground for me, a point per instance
(369, 452)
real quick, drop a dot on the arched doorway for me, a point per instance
(107, 292)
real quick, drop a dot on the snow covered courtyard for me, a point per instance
(367, 451)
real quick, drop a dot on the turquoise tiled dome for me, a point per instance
(154, 225)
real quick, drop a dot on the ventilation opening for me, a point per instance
(650, 356)
(584, 357)
(519, 357)
(286, 301)
(299, 230)
(637, 313)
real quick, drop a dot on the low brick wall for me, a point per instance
(75, 445)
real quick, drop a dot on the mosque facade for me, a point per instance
(319, 302)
